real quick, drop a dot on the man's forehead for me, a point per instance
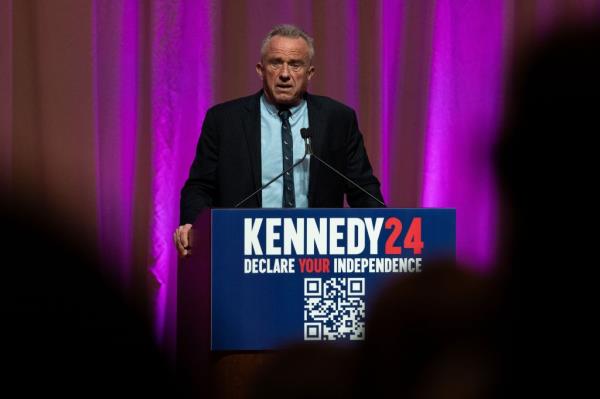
(281, 45)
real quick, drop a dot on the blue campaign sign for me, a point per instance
(285, 275)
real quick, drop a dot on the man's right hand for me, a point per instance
(182, 240)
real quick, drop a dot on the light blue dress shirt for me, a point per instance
(272, 157)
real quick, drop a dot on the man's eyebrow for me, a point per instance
(280, 59)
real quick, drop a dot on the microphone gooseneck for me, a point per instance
(306, 135)
(307, 151)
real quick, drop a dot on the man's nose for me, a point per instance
(285, 72)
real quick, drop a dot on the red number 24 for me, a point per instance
(412, 240)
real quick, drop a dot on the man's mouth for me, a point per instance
(284, 87)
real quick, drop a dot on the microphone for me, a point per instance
(306, 135)
(307, 151)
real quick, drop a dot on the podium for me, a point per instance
(259, 279)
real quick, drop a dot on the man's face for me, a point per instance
(285, 70)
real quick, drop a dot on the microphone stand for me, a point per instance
(306, 136)
(242, 202)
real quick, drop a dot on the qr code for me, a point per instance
(334, 309)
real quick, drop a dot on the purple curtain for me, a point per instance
(101, 105)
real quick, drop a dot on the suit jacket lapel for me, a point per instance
(317, 126)
(251, 123)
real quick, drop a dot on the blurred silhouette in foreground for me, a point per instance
(431, 335)
(546, 163)
(66, 331)
(447, 333)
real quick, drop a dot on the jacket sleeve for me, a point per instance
(359, 170)
(200, 188)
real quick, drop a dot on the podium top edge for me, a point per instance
(329, 209)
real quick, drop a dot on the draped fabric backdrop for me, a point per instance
(101, 105)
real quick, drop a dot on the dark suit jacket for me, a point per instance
(227, 167)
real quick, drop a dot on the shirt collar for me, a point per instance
(273, 111)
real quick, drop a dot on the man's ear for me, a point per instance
(311, 72)
(259, 69)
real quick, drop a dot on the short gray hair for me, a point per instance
(287, 30)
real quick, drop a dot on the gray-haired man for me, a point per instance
(248, 141)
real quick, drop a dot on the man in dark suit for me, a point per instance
(247, 142)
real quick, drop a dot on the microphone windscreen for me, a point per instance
(305, 133)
